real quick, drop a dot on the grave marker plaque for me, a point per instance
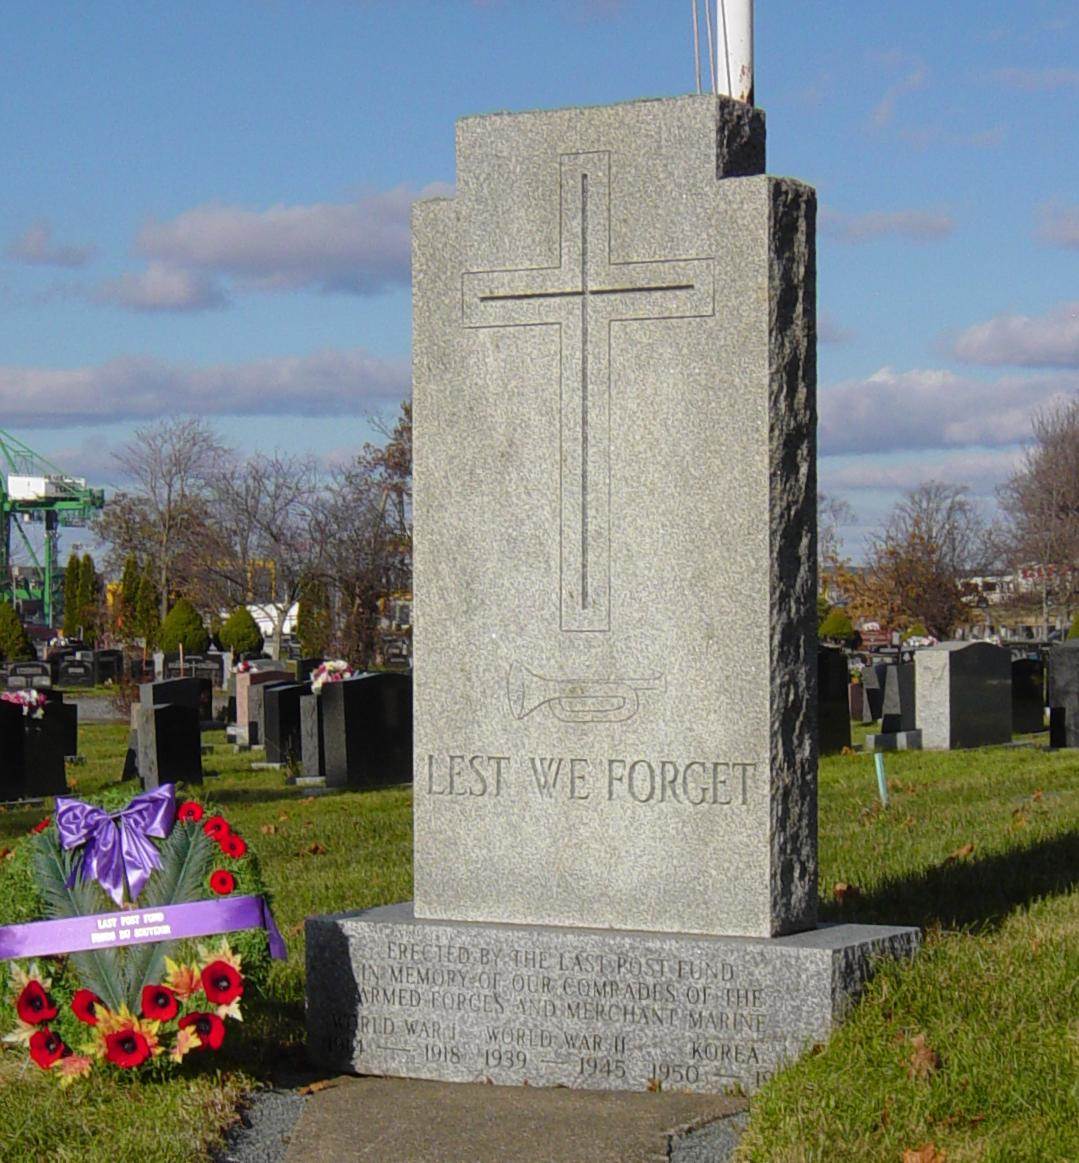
(963, 695)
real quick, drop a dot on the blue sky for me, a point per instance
(205, 209)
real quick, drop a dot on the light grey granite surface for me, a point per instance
(614, 409)
(389, 994)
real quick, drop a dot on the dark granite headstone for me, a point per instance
(856, 701)
(184, 692)
(141, 669)
(873, 698)
(48, 742)
(169, 744)
(367, 730)
(281, 715)
(108, 665)
(12, 750)
(312, 757)
(963, 695)
(256, 710)
(897, 711)
(1028, 695)
(23, 675)
(1064, 694)
(76, 672)
(833, 707)
(305, 666)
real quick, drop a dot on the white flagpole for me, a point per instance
(734, 48)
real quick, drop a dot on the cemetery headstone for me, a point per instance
(159, 665)
(963, 695)
(833, 705)
(898, 715)
(169, 744)
(186, 692)
(141, 670)
(873, 693)
(246, 681)
(1028, 695)
(856, 701)
(312, 757)
(281, 715)
(305, 667)
(131, 756)
(12, 749)
(76, 672)
(108, 665)
(49, 740)
(256, 726)
(1064, 694)
(614, 388)
(367, 730)
(26, 675)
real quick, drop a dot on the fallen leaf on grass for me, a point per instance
(924, 1060)
(313, 850)
(307, 800)
(926, 1153)
(960, 854)
(908, 823)
(268, 829)
(654, 1085)
(295, 930)
(308, 824)
(6, 854)
(1037, 796)
(1019, 818)
(283, 816)
(315, 1087)
(847, 751)
(844, 892)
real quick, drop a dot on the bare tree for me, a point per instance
(266, 534)
(832, 514)
(162, 516)
(1041, 501)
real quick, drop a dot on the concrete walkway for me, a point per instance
(376, 1120)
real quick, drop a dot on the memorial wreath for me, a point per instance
(100, 909)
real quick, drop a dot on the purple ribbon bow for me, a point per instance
(117, 850)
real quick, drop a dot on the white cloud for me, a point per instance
(35, 247)
(1049, 340)
(918, 225)
(162, 288)
(979, 468)
(931, 408)
(884, 111)
(1059, 225)
(360, 247)
(325, 383)
(1042, 80)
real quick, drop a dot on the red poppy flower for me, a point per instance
(215, 827)
(34, 1004)
(221, 983)
(159, 1003)
(190, 811)
(41, 825)
(127, 1048)
(46, 1047)
(209, 1027)
(222, 881)
(233, 845)
(84, 1006)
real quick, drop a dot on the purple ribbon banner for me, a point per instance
(137, 926)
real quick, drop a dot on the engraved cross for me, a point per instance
(583, 296)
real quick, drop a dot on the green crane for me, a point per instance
(34, 490)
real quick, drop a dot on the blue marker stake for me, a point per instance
(882, 783)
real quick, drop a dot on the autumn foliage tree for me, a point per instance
(915, 568)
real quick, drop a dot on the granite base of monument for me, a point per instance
(598, 1009)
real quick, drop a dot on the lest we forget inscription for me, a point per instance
(614, 634)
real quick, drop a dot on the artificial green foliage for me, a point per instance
(147, 624)
(837, 625)
(240, 632)
(72, 577)
(314, 623)
(14, 644)
(184, 628)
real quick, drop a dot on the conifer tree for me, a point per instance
(15, 646)
(147, 619)
(87, 598)
(183, 627)
(240, 632)
(72, 577)
(313, 620)
(129, 587)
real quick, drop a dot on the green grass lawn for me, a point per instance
(973, 1048)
